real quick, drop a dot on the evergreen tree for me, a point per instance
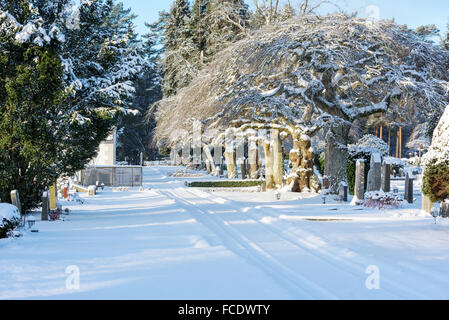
(199, 26)
(61, 89)
(180, 59)
(227, 21)
(136, 130)
(105, 61)
(32, 97)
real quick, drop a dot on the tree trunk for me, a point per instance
(243, 169)
(230, 157)
(336, 154)
(278, 157)
(307, 180)
(209, 159)
(295, 159)
(301, 157)
(268, 165)
(253, 159)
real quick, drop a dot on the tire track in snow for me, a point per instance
(344, 265)
(327, 256)
(296, 284)
(353, 264)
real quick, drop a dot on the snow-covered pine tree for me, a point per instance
(181, 58)
(227, 21)
(32, 96)
(198, 22)
(63, 89)
(436, 162)
(136, 130)
(103, 59)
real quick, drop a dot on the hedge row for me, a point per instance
(225, 184)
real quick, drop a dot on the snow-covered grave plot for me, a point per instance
(173, 242)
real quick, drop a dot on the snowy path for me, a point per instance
(173, 242)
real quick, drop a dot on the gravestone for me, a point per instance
(45, 206)
(15, 200)
(343, 191)
(386, 183)
(359, 187)
(52, 197)
(408, 195)
(263, 186)
(427, 204)
(374, 174)
(444, 211)
(91, 191)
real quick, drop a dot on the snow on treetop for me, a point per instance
(439, 150)
(311, 72)
(33, 31)
(372, 142)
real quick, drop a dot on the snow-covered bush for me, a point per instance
(381, 200)
(372, 142)
(436, 162)
(9, 219)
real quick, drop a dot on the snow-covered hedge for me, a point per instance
(436, 162)
(9, 219)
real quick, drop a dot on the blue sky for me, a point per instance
(411, 12)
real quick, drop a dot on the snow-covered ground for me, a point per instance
(172, 242)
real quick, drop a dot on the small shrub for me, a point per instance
(350, 174)
(436, 181)
(8, 226)
(381, 200)
(54, 215)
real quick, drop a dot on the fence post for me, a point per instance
(45, 206)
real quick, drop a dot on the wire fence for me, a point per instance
(113, 176)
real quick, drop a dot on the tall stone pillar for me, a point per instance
(386, 183)
(359, 188)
